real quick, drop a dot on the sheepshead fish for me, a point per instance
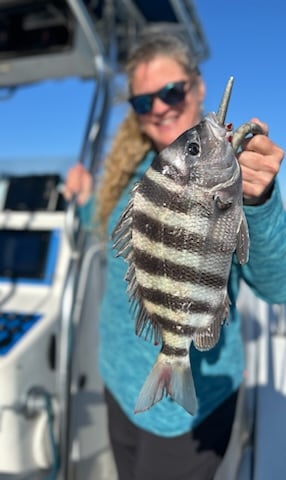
(178, 234)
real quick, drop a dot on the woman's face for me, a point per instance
(164, 123)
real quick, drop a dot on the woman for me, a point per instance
(166, 95)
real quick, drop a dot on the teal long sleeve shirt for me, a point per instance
(125, 360)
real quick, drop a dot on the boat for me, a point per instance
(52, 412)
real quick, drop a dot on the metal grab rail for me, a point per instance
(76, 236)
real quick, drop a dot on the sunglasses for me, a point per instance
(172, 94)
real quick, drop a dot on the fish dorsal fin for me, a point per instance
(122, 238)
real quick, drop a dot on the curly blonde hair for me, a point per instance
(131, 144)
(128, 148)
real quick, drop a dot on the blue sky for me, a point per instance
(43, 125)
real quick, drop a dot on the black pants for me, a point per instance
(140, 455)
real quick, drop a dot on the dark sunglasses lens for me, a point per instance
(142, 104)
(173, 94)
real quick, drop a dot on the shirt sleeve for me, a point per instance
(86, 213)
(265, 271)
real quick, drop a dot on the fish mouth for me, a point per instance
(214, 127)
(217, 155)
(220, 148)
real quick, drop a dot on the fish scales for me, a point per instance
(183, 223)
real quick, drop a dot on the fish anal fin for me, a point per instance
(207, 337)
(173, 378)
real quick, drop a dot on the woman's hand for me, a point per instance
(79, 182)
(260, 162)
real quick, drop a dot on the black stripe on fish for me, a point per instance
(181, 273)
(160, 195)
(178, 176)
(174, 351)
(174, 303)
(174, 237)
(176, 328)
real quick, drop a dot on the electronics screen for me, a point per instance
(33, 192)
(24, 254)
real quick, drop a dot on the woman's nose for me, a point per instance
(158, 106)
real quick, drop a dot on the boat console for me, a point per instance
(33, 267)
(43, 291)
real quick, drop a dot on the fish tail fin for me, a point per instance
(174, 378)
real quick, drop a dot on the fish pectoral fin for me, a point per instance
(223, 200)
(173, 378)
(242, 245)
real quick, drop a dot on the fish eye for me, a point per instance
(193, 148)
